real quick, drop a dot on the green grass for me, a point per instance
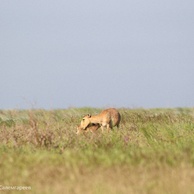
(152, 152)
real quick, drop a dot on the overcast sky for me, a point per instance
(99, 53)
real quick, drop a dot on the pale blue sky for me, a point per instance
(99, 53)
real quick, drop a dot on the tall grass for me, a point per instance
(152, 152)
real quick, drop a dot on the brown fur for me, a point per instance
(92, 128)
(107, 118)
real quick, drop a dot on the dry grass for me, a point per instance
(152, 152)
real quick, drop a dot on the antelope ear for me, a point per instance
(89, 115)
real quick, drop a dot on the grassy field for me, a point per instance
(151, 153)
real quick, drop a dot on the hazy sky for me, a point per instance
(99, 53)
